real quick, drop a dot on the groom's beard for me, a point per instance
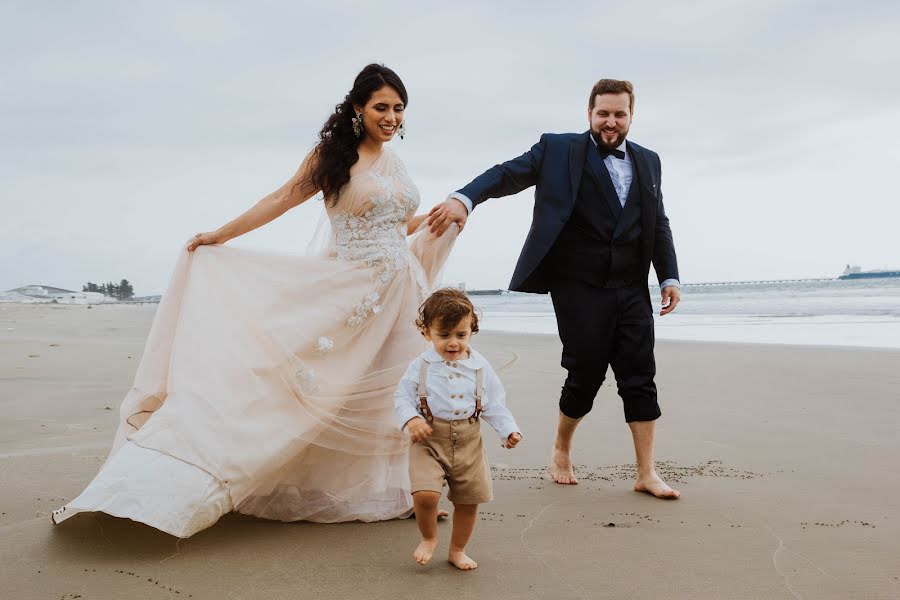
(617, 141)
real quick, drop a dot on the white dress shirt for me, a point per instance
(621, 171)
(451, 392)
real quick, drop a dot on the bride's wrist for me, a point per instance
(223, 235)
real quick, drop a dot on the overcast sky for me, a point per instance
(125, 127)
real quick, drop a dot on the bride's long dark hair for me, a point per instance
(336, 151)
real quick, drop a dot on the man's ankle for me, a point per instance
(646, 472)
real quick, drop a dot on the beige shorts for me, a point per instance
(454, 454)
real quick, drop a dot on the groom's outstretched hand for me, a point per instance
(671, 296)
(449, 211)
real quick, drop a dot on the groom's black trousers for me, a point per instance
(601, 327)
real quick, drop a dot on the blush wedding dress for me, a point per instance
(266, 384)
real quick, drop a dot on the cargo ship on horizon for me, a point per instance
(854, 272)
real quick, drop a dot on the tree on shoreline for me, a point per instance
(121, 291)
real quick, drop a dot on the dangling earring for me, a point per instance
(357, 125)
(402, 130)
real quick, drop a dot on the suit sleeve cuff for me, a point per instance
(464, 199)
(670, 283)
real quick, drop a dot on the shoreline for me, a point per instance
(151, 308)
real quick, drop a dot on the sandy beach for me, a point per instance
(786, 457)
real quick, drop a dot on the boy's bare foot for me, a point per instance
(561, 467)
(655, 486)
(424, 551)
(459, 560)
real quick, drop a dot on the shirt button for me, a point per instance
(447, 362)
(456, 412)
(454, 365)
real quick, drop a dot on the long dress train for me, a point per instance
(266, 382)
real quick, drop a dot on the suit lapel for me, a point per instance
(576, 164)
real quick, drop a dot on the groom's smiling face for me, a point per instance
(610, 119)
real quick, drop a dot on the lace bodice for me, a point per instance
(369, 223)
(369, 220)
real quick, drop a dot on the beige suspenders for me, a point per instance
(423, 393)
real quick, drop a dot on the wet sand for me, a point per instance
(786, 458)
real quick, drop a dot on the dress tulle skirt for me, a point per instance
(266, 388)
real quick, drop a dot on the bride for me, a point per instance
(266, 383)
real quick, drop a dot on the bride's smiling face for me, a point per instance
(382, 114)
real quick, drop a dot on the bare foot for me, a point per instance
(655, 486)
(459, 560)
(424, 551)
(561, 468)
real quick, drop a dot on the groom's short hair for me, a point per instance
(612, 86)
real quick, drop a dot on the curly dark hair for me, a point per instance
(444, 309)
(336, 151)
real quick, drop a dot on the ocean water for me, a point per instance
(863, 313)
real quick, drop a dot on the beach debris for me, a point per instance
(840, 524)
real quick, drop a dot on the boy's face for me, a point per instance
(452, 344)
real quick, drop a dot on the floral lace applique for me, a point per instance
(324, 345)
(306, 377)
(362, 310)
(378, 236)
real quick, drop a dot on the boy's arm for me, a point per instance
(406, 396)
(493, 406)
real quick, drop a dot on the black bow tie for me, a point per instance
(604, 152)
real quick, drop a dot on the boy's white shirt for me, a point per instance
(451, 392)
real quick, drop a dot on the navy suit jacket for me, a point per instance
(555, 165)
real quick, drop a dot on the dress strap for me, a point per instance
(423, 392)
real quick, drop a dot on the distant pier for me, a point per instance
(702, 284)
(759, 282)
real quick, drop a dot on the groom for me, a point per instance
(598, 224)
